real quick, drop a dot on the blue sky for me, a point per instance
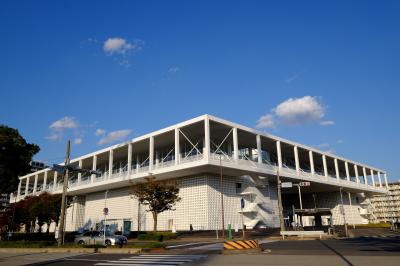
(323, 74)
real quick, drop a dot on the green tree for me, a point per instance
(15, 156)
(159, 196)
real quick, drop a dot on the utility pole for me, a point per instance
(343, 213)
(60, 239)
(278, 181)
(222, 197)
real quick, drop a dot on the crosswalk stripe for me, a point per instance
(124, 264)
(147, 262)
(161, 259)
(169, 255)
(152, 260)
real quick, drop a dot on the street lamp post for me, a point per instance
(222, 195)
(299, 190)
(105, 215)
(278, 182)
(343, 213)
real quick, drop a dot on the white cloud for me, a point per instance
(113, 136)
(100, 132)
(339, 141)
(58, 127)
(266, 121)
(78, 141)
(119, 46)
(53, 137)
(295, 111)
(64, 123)
(300, 110)
(323, 145)
(173, 70)
(327, 123)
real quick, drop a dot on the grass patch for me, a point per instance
(378, 225)
(159, 236)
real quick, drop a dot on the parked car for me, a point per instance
(96, 237)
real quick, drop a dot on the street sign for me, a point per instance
(58, 168)
(304, 184)
(286, 184)
(242, 203)
(105, 211)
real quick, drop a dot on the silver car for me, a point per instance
(97, 238)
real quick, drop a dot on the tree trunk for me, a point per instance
(155, 222)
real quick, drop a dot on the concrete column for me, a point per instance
(94, 168)
(129, 167)
(110, 163)
(207, 138)
(235, 144)
(79, 174)
(279, 153)
(19, 189)
(55, 180)
(386, 182)
(137, 163)
(259, 150)
(45, 180)
(296, 159)
(325, 165)
(372, 177)
(349, 198)
(357, 176)
(177, 146)
(27, 186)
(380, 179)
(157, 159)
(346, 165)
(35, 183)
(310, 155)
(337, 169)
(151, 153)
(365, 175)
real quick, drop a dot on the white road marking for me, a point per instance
(152, 260)
(190, 244)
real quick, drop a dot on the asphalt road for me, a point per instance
(347, 252)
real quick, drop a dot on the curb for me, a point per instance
(72, 250)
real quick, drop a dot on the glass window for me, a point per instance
(238, 188)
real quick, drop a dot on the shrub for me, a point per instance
(27, 244)
(31, 237)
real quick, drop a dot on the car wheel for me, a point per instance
(81, 242)
(107, 242)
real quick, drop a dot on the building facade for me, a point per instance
(193, 154)
(386, 208)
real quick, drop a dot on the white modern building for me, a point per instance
(386, 208)
(193, 153)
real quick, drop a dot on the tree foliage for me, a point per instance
(15, 156)
(158, 196)
(31, 211)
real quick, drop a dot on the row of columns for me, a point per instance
(206, 149)
(311, 159)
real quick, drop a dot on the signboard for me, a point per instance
(105, 211)
(286, 184)
(304, 184)
(242, 203)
